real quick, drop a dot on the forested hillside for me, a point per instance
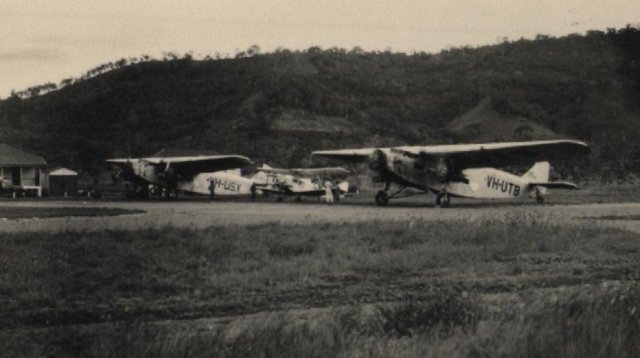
(278, 107)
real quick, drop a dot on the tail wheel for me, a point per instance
(382, 198)
(539, 199)
(442, 200)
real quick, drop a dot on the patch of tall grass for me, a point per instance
(586, 322)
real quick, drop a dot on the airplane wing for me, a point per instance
(347, 155)
(555, 185)
(121, 161)
(274, 170)
(321, 171)
(307, 171)
(286, 190)
(467, 156)
(190, 166)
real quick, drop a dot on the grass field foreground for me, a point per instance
(58, 288)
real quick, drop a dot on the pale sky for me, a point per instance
(49, 40)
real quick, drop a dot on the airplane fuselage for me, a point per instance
(223, 183)
(289, 184)
(490, 183)
(483, 183)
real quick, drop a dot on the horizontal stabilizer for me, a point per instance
(555, 184)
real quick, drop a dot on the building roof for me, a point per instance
(10, 156)
(60, 171)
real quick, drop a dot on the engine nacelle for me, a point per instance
(443, 171)
(125, 172)
(378, 167)
(169, 175)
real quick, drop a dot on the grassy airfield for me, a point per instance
(514, 286)
(8, 213)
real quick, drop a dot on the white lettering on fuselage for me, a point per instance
(503, 186)
(226, 184)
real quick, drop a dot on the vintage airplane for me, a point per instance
(195, 174)
(463, 170)
(299, 182)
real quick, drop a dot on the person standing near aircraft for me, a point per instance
(211, 189)
(328, 189)
(253, 192)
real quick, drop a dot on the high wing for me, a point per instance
(190, 166)
(321, 171)
(347, 155)
(465, 156)
(274, 171)
(121, 161)
(307, 171)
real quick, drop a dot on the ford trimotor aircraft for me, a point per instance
(464, 170)
(196, 174)
(300, 182)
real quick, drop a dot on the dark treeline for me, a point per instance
(278, 107)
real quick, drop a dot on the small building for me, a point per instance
(60, 182)
(20, 171)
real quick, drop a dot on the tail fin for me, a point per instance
(343, 187)
(260, 178)
(538, 173)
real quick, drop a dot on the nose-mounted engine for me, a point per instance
(378, 168)
(125, 172)
(169, 175)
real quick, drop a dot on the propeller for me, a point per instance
(170, 176)
(378, 169)
(443, 171)
(122, 172)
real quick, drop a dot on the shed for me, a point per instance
(60, 182)
(19, 170)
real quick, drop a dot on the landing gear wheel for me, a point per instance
(382, 198)
(539, 199)
(442, 200)
(298, 199)
(280, 199)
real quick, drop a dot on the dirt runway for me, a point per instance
(201, 214)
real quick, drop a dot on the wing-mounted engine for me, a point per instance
(378, 167)
(446, 171)
(443, 170)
